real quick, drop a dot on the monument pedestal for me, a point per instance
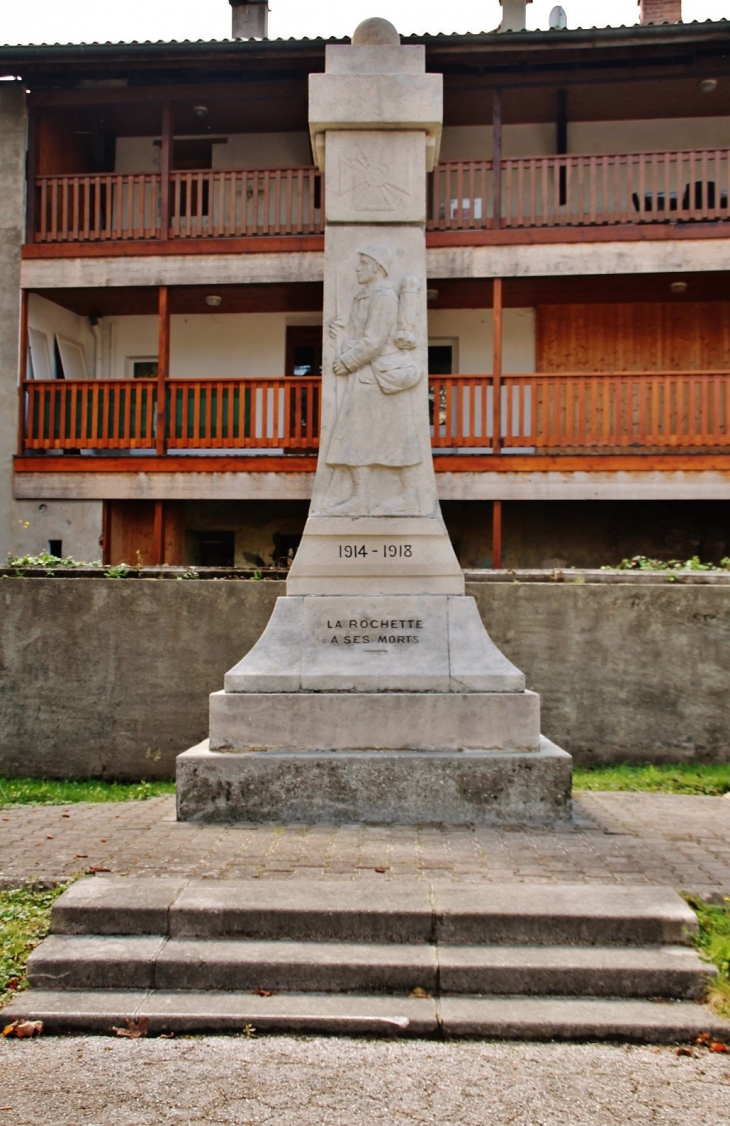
(376, 787)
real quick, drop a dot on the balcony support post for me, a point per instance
(497, 366)
(163, 367)
(31, 173)
(165, 169)
(22, 369)
(496, 535)
(106, 533)
(497, 160)
(158, 534)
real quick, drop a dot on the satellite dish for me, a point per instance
(558, 19)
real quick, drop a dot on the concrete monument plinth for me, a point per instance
(375, 692)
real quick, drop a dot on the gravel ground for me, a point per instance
(287, 1081)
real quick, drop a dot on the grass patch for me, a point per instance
(25, 918)
(710, 779)
(38, 791)
(714, 942)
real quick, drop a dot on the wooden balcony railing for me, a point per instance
(637, 411)
(97, 208)
(655, 187)
(119, 414)
(223, 204)
(205, 204)
(643, 411)
(461, 196)
(543, 191)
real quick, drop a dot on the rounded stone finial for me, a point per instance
(375, 32)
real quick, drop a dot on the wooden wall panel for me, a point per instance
(131, 530)
(641, 337)
(61, 149)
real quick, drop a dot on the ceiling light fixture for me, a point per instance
(431, 294)
(708, 85)
(214, 300)
(678, 287)
(200, 112)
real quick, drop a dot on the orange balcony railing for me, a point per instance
(642, 411)
(200, 414)
(586, 413)
(654, 187)
(202, 204)
(543, 191)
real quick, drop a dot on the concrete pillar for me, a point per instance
(250, 19)
(25, 526)
(12, 181)
(660, 11)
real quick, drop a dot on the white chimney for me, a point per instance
(514, 15)
(250, 19)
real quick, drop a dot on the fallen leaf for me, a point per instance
(13, 983)
(703, 1038)
(167, 1036)
(419, 992)
(65, 815)
(82, 856)
(6, 1108)
(97, 868)
(10, 1028)
(135, 1029)
(684, 1052)
(25, 1029)
(103, 840)
(263, 993)
(718, 1046)
(49, 836)
(380, 869)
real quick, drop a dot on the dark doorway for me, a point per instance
(215, 549)
(285, 547)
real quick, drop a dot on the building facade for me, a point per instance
(161, 227)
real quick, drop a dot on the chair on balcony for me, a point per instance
(705, 196)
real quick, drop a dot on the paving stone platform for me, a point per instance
(616, 838)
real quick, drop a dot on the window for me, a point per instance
(441, 358)
(303, 350)
(142, 367)
(55, 547)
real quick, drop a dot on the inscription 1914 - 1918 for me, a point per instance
(384, 550)
(380, 631)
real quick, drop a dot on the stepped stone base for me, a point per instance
(395, 787)
(513, 961)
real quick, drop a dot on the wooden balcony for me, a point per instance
(626, 189)
(576, 414)
(205, 204)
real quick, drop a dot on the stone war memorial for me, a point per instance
(375, 692)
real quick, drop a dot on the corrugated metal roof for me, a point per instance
(526, 36)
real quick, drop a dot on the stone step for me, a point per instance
(506, 1018)
(304, 910)
(575, 971)
(148, 962)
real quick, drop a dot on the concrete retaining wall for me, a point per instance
(110, 678)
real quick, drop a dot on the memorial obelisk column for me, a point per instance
(375, 692)
(375, 525)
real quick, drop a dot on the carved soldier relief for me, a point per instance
(375, 449)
